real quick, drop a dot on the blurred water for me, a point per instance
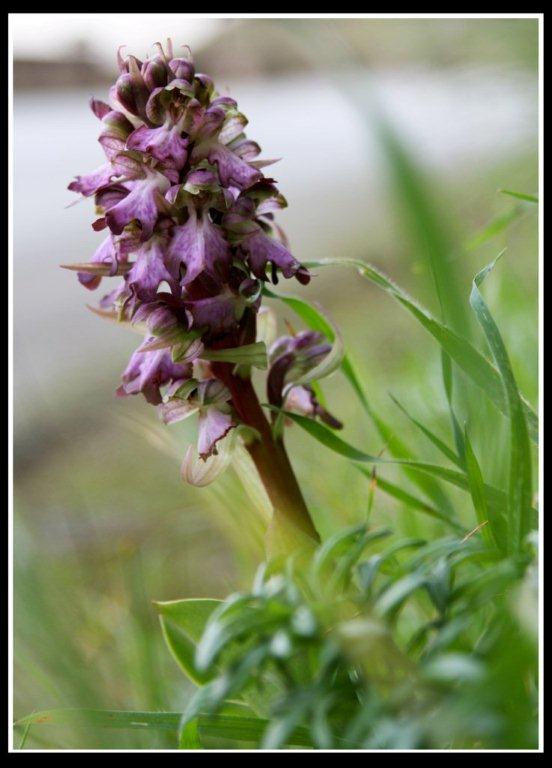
(458, 122)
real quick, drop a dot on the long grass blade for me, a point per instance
(465, 355)
(431, 436)
(496, 498)
(519, 485)
(425, 223)
(520, 195)
(492, 527)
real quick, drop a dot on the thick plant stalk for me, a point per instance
(269, 454)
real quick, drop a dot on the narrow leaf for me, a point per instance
(97, 718)
(494, 228)
(495, 497)
(465, 355)
(477, 491)
(520, 488)
(437, 442)
(520, 195)
(183, 623)
(315, 320)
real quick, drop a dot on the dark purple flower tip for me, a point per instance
(124, 64)
(182, 69)
(302, 400)
(155, 73)
(198, 246)
(130, 89)
(262, 249)
(99, 108)
(159, 318)
(147, 372)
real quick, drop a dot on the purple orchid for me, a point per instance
(189, 219)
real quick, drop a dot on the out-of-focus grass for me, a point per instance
(104, 526)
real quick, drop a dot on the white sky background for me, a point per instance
(54, 35)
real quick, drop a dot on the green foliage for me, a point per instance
(368, 645)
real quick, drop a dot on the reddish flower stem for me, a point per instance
(269, 454)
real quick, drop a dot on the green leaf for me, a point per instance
(520, 195)
(183, 623)
(231, 620)
(98, 718)
(495, 497)
(519, 486)
(437, 442)
(212, 696)
(454, 668)
(280, 729)
(477, 491)
(465, 355)
(235, 723)
(446, 368)
(494, 228)
(426, 227)
(407, 498)
(337, 555)
(248, 354)
(189, 736)
(394, 597)
(312, 317)
(247, 729)
(368, 569)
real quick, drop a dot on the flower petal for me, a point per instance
(148, 371)
(200, 246)
(262, 249)
(165, 143)
(213, 426)
(141, 204)
(88, 184)
(217, 313)
(149, 270)
(201, 472)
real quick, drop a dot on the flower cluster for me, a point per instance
(188, 218)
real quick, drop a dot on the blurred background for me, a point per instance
(395, 137)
